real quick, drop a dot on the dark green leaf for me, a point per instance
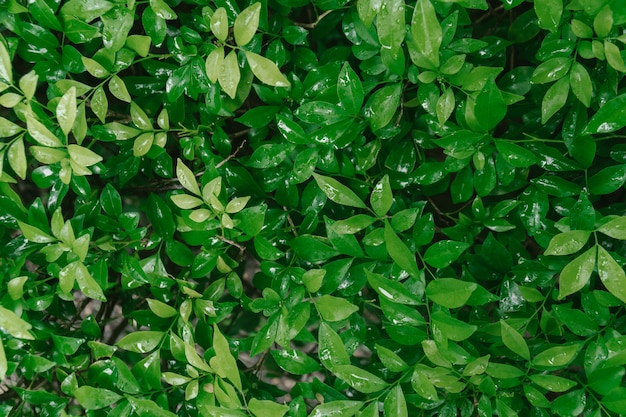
(443, 253)
(294, 361)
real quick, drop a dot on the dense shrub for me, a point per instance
(327, 208)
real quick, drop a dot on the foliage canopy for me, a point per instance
(312, 208)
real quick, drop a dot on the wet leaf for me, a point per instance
(611, 274)
(266, 70)
(576, 274)
(450, 292)
(246, 24)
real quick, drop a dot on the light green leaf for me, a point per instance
(555, 357)
(567, 243)
(333, 308)
(450, 292)
(399, 252)
(338, 408)
(552, 383)
(33, 234)
(47, 155)
(117, 87)
(452, 328)
(611, 274)
(143, 341)
(223, 362)
(139, 44)
(83, 156)
(41, 134)
(15, 287)
(28, 84)
(14, 325)
(338, 192)
(246, 24)
(426, 31)
(615, 228)
(312, 278)
(8, 128)
(352, 224)
(390, 359)
(266, 408)
(100, 103)
(6, 69)
(229, 74)
(17, 157)
(139, 117)
(359, 379)
(87, 284)
(549, 13)
(603, 22)
(383, 104)
(94, 68)
(236, 205)
(422, 385)
(186, 202)
(162, 10)
(576, 274)
(4, 365)
(445, 106)
(551, 70)
(395, 403)
(186, 178)
(148, 408)
(331, 349)
(95, 398)
(614, 56)
(581, 83)
(161, 309)
(143, 143)
(514, 340)
(390, 25)
(266, 70)
(555, 99)
(219, 24)
(391, 290)
(214, 63)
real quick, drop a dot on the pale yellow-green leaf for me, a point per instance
(219, 24)
(160, 139)
(163, 119)
(4, 365)
(28, 84)
(47, 155)
(100, 103)
(139, 44)
(212, 188)
(162, 10)
(186, 201)
(94, 68)
(223, 362)
(143, 143)
(121, 131)
(78, 169)
(34, 234)
(194, 359)
(118, 89)
(17, 158)
(229, 74)
(14, 325)
(161, 309)
(139, 117)
(227, 222)
(213, 63)
(10, 100)
(87, 284)
(66, 234)
(236, 204)
(66, 111)
(81, 246)
(15, 287)
(201, 215)
(6, 69)
(41, 134)
(266, 70)
(65, 174)
(246, 24)
(56, 223)
(186, 178)
(83, 156)
(614, 57)
(67, 277)
(80, 124)
(8, 128)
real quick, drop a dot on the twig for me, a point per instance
(312, 25)
(239, 148)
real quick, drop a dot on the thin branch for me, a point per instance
(312, 25)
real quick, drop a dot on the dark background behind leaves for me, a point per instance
(295, 208)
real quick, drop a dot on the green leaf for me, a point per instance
(213, 63)
(382, 197)
(395, 403)
(359, 379)
(444, 252)
(350, 90)
(513, 340)
(607, 180)
(549, 13)
(338, 192)
(452, 328)
(111, 201)
(294, 361)
(83, 156)
(581, 83)
(229, 74)
(95, 398)
(423, 386)
(117, 87)
(614, 56)
(576, 274)
(266, 70)
(445, 106)
(313, 279)
(6, 69)
(611, 274)
(391, 290)
(161, 309)
(552, 383)
(450, 292)
(338, 408)
(87, 284)
(352, 224)
(219, 24)
(34, 234)
(266, 408)
(246, 24)
(515, 155)
(551, 70)
(335, 308)
(603, 22)
(28, 82)
(615, 228)
(148, 408)
(554, 100)
(8, 128)
(610, 117)
(4, 365)
(399, 252)
(390, 25)
(100, 103)
(312, 249)
(331, 349)
(17, 158)
(567, 243)
(615, 400)
(382, 105)
(490, 107)
(41, 133)
(555, 357)
(143, 341)
(139, 117)
(223, 362)
(14, 325)
(186, 178)
(162, 10)
(426, 31)
(390, 359)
